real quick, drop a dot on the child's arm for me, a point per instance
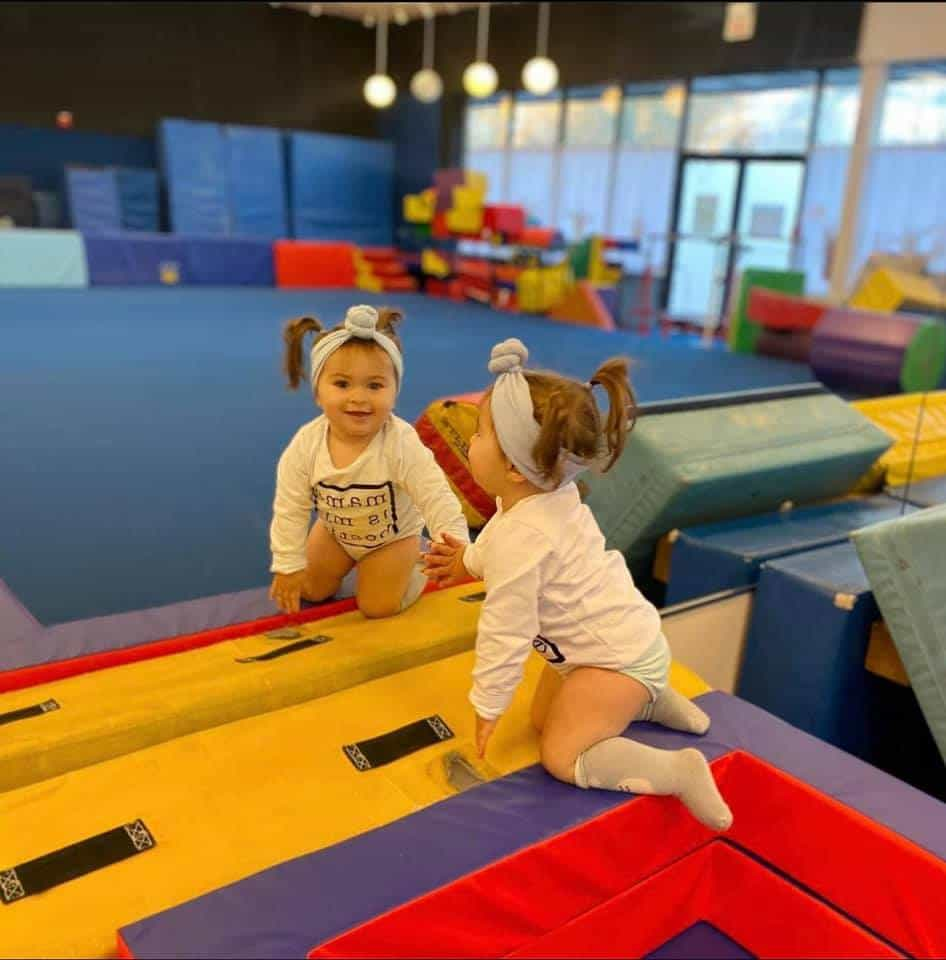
(509, 619)
(426, 484)
(292, 510)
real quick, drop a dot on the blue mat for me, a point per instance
(139, 455)
(194, 162)
(721, 556)
(229, 261)
(136, 259)
(341, 188)
(257, 182)
(93, 199)
(924, 493)
(41, 258)
(138, 195)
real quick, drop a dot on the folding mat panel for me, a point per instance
(341, 188)
(720, 556)
(805, 659)
(847, 854)
(130, 258)
(66, 724)
(42, 258)
(194, 163)
(905, 561)
(704, 462)
(229, 261)
(257, 179)
(926, 493)
(225, 803)
(139, 198)
(92, 197)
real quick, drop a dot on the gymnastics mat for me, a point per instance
(224, 803)
(485, 872)
(926, 493)
(905, 561)
(728, 456)
(52, 728)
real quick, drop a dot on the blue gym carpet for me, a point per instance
(140, 429)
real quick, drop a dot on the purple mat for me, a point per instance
(794, 345)
(27, 643)
(288, 909)
(702, 941)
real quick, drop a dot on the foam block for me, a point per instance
(905, 560)
(696, 466)
(887, 289)
(781, 311)
(583, 306)
(876, 353)
(303, 264)
(105, 714)
(743, 333)
(720, 556)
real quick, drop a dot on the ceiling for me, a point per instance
(369, 13)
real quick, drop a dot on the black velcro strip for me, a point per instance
(474, 597)
(376, 752)
(76, 860)
(37, 710)
(288, 648)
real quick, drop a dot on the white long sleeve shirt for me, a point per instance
(391, 491)
(552, 586)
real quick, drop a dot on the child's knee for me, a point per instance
(377, 607)
(556, 762)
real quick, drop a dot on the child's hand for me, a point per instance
(443, 562)
(286, 590)
(484, 730)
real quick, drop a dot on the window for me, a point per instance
(837, 111)
(487, 124)
(651, 116)
(914, 111)
(756, 113)
(535, 122)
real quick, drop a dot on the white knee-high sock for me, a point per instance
(673, 710)
(621, 764)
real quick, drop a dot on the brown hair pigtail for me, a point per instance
(293, 335)
(622, 405)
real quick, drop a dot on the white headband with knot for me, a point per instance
(361, 323)
(514, 417)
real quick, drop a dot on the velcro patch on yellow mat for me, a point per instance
(230, 801)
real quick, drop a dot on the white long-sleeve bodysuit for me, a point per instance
(552, 586)
(390, 492)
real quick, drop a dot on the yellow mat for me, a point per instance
(887, 289)
(111, 712)
(231, 801)
(899, 416)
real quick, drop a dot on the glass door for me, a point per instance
(707, 203)
(769, 203)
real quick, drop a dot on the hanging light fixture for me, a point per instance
(426, 84)
(380, 90)
(479, 78)
(540, 74)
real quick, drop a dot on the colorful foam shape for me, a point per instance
(775, 310)
(42, 258)
(784, 344)
(917, 422)
(877, 353)
(107, 713)
(706, 464)
(804, 661)
(583, 305)
(887, 289)
(793, 797)
(446, 427)
(743, 333)
(301, 264)
(905, 561)
(228, 802)
(720, 556)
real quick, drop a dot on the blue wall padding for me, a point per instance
(414, 129)
(92, 196)
(139, 198)
(804, 662)
(257, 182)
(228, 261)
(136, 259)
(721, 556)
(194, 162)
(42, 258)
(341, 188)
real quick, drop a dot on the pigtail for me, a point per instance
(293, 335)
(566, 422)
(622, 405)
(388, 320)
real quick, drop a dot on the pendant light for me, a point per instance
(426, 84)
(379, 89)
(479, 78)
(540, 74)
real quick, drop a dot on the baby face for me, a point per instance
(357, 389)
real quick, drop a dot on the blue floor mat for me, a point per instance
(141, 428)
